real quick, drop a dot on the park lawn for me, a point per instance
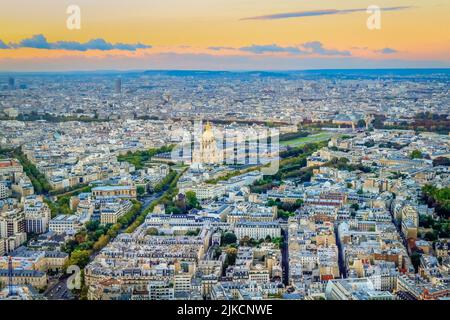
(322, 136)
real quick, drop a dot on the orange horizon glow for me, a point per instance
(418, 33)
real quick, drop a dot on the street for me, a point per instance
(57, 289)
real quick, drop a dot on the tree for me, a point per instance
(97, 234)
(245, 241)
(114, 230)
(444, 231)
(278, 241)
(438, 198)
(180, 203)
(92, 225)
(217, 253)
(79, 258)
(152, 231)
(70, 245)
(140, 190)
(229, 238)
(416, 154)
(80, 237)
(191, 199)
(430, 236)
(355, 206)
(370, 143)
(426, 221)
(231, 256)
(415, 260)
(101, 242)
(299, 203)
(441, 161)
(193, 232)
(361, 123)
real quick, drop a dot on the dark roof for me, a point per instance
(23, 273)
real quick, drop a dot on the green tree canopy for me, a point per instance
(152, 231)
(416, 154)
(229, 238)
(79, 258)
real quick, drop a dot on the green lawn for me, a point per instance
(322, 136)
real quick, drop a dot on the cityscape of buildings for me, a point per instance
(93, 204)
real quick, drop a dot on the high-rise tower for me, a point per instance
(118, 86)
(11, 83)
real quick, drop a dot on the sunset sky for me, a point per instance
(223, 34)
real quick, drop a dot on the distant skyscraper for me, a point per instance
(11, 82)
(118, 85)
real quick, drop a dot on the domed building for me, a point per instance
(207, 151)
